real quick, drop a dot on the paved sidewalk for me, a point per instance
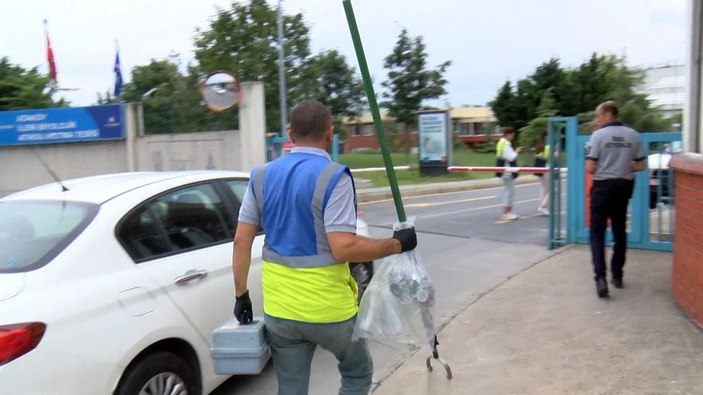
(544, 331)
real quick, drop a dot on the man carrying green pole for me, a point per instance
(408, 262)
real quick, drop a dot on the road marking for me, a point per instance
(449, 202)
(473, 209)
(406, 198)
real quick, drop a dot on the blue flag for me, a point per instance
(118, 75)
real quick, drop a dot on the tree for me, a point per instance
(576, 92)
(589, 85)
(503, 105)
(155, 85)
(530, 133)
(409, 82)
(106, 99)
(337, 86)
(549, 75)
(244, 41)
(515, 108)
(24, 89)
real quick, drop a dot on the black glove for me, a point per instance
(407, 238)
(242, 309)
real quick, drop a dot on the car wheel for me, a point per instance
(362, 273)
(161, 373)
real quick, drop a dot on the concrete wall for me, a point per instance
(22, 165)
(232, 150)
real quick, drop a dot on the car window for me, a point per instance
(141, 235)
(183, 219)
(33, 233)
(238, 188)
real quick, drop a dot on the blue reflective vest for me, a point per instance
(296, 238)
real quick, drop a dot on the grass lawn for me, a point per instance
(462, 157)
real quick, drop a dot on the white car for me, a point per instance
(114, 283)
(660, 187)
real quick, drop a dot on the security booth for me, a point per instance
(434, 142)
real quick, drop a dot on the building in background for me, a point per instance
(470, 124)
(665, 86)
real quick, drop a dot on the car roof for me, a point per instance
(101, 188)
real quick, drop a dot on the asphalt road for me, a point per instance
(467, 251)
(467, 214)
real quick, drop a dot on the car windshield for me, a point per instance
(34, 232)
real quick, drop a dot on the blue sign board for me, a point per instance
(61, 125)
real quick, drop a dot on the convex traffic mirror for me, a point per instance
(220, 91)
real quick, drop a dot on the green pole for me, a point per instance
(380, 134)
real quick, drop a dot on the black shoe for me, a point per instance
(602, 288)
(617, 282)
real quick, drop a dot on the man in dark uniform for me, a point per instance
(613, 155)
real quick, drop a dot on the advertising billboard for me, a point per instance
(434, 147)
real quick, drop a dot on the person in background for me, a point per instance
(541, 160)
(306, 205)
(506, 156)
(612, 157)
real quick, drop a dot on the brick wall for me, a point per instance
(687, 265)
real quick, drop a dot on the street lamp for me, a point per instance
(149, 93)
(140, 110)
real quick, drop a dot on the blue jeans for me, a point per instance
(293, 344)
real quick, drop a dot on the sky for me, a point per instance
(488, 42)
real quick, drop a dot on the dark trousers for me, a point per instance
(609, 199)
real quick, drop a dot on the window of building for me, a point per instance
(464, 129)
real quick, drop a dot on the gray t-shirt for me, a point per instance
(614, 147)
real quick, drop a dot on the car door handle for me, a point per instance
(190, 276)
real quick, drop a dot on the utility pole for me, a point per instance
(281, 73)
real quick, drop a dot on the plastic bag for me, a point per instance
(397, 305)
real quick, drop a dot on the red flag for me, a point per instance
(50, 57)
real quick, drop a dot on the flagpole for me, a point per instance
(53, 82)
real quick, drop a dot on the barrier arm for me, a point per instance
(494, 169)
